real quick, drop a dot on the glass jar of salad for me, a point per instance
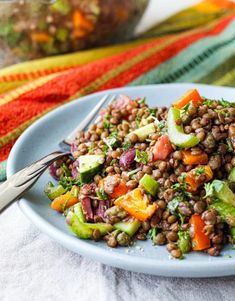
(31, 29)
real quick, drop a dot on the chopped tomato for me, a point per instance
(200, 240)
(136, 204)
(190, 95)
(162, 148)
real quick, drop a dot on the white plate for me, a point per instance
(43, 137)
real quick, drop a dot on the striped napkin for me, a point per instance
(195, 45)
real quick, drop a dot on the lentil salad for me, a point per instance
(157, 173)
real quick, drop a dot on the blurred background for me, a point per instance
(33, 29)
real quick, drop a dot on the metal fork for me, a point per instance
(12, 189)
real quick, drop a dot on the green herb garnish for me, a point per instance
(207, 102)
(66, 170)
(224, 103)
(153, 111)
(104, 148)
(102, 195)
(112, 140)
(209, 188)
(126, 145)
(230, 145)
(68, 182)
(162, 124)
(107, 124)
(142, 100)
(226, 114)
(141, 157)
(152, 233)
(199, 171)
(113, 161)
(138, 119)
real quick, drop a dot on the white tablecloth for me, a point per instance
(33, 267)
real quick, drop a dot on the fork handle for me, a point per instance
(12, 189)
(9, 193)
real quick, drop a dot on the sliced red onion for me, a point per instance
(74, 147)
(86, 208)
(102, 207)
(122, 102)
(52, 171)
(127, 158)
(75, 167)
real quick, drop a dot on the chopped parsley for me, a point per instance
(141, 157)
(68, 182)
(226, 114)
(102, 195)
(112, 140)
(113, 161)
(153, 111)
(138, 119)
(173, 204)
(162, 124)
(199, 171)
(91, 147)
(230, 146)
(107, 124)
(185, 108)
(66, 170)
(104, 148)
(152, 233)
(142, 100)
(209, 188)
(182, 187)
(207, 102)
(126, 145)
(225, 103)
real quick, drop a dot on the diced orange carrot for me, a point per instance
(66, 200)
(80, 21)
(162, 148)
(200, 240)
(193, 182)
(136, 204)
(190, 159)
(190, 95)
(40, 37)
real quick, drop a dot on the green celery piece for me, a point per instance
(79, 228)
(144, 131)
(53, 191)
(184, 241)
(231, 176)
(149, 184)
(84, 230)
(232, 233)
(223, 192)
(102, 227)
(176, 132)
(226, 211)
(129, 227)
(79, 213)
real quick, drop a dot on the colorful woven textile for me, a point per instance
(195, 45)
